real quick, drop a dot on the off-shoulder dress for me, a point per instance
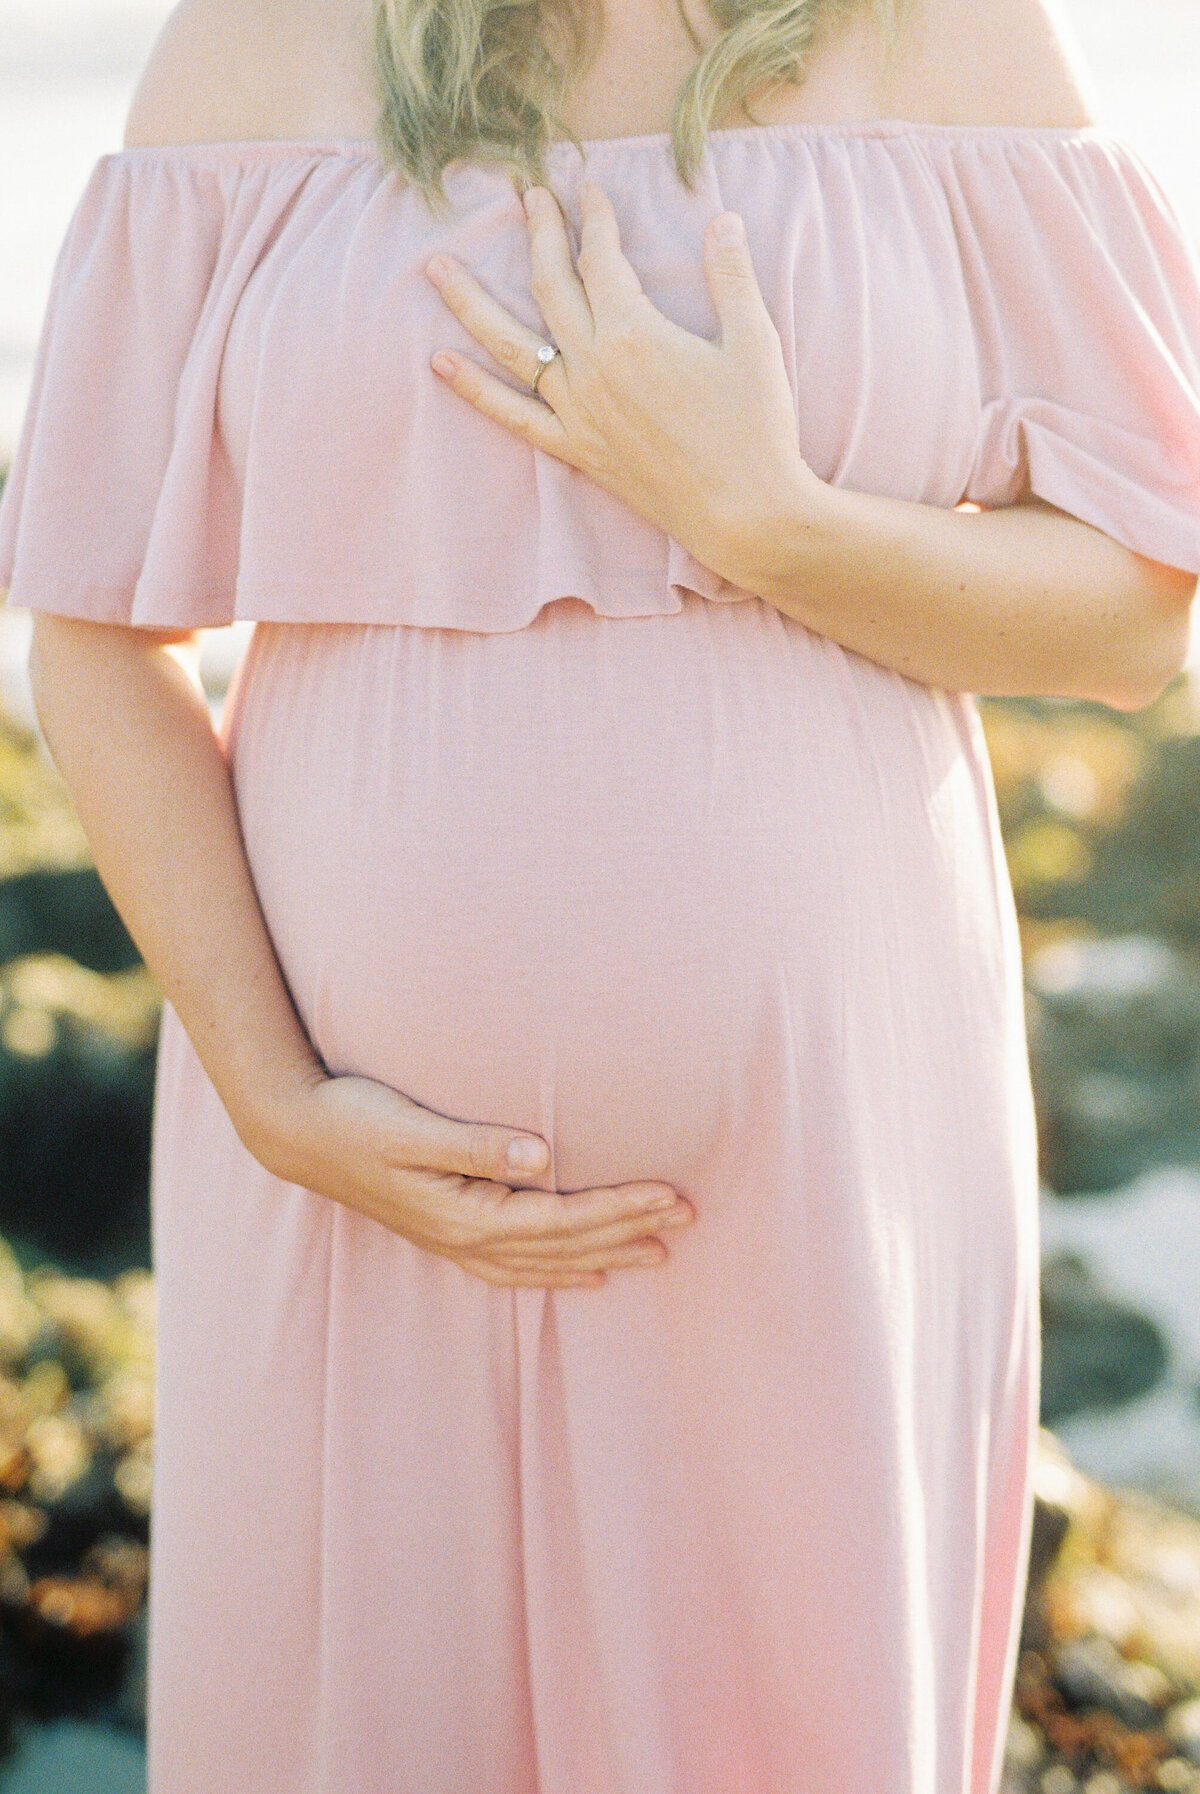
(554, 827)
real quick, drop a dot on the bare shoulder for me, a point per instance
(240, 70)
(985, 62)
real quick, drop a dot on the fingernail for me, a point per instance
(527, 1155)
(729, 228)
(665, 1201)
(441, 363)
(437, 269)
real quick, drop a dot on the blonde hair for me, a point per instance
(477, 79)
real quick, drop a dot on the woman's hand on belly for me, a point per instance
(448, 1187)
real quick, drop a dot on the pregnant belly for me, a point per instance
(627, 882)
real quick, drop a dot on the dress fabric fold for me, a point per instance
(554, 828)
(234, 416)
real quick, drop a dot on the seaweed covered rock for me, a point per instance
(78, 1027)
(1108, 1676)
(76, 1457)
(76, 1093)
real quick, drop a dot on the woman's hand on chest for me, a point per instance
(696, 436)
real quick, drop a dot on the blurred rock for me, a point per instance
(1128, 1570)
(75, 1614)
(1024, 1746)
(1183, 1728)
(1146, 873)
(1115, 1049)
(1106, 1698)
(1096, 1351)
(76, 1453)
(77, 1051)
(78, 1021)
(1092, 1673)
(67, 912)
(20, 1316)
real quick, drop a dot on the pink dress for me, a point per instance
(553, 827)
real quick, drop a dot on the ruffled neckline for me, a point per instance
(233, 413)
(780, 132)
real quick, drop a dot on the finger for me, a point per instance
(732, 282)
(547, 1214)
(555, 285)
(427, 1141)
(607, 1258)
(511, 344)
(596, 1239)
(609, 280)
(479, 1267)
(533, 418)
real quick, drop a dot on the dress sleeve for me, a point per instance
(1085, 293)
(119, 487)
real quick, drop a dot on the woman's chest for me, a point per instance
(327, 351)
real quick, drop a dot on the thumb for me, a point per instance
(730, 274)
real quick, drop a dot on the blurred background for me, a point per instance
(1102, 823)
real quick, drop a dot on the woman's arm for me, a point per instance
(131, 735)
(132, 738)
(1021, 601)
(700, 438)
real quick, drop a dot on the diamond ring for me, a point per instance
(545, 356)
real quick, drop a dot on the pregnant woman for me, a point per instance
(602, 781)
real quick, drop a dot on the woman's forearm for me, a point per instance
(131, 736)
(1020, 601)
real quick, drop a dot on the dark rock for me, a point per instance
(50, 1344)
(73, 1615)
(64, 912)
(75, 1148)
(1149, 868)
(89, 1510)
(1096, 1351)
(1092, 1673)
(1098, 1130)
(1115, 1050)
